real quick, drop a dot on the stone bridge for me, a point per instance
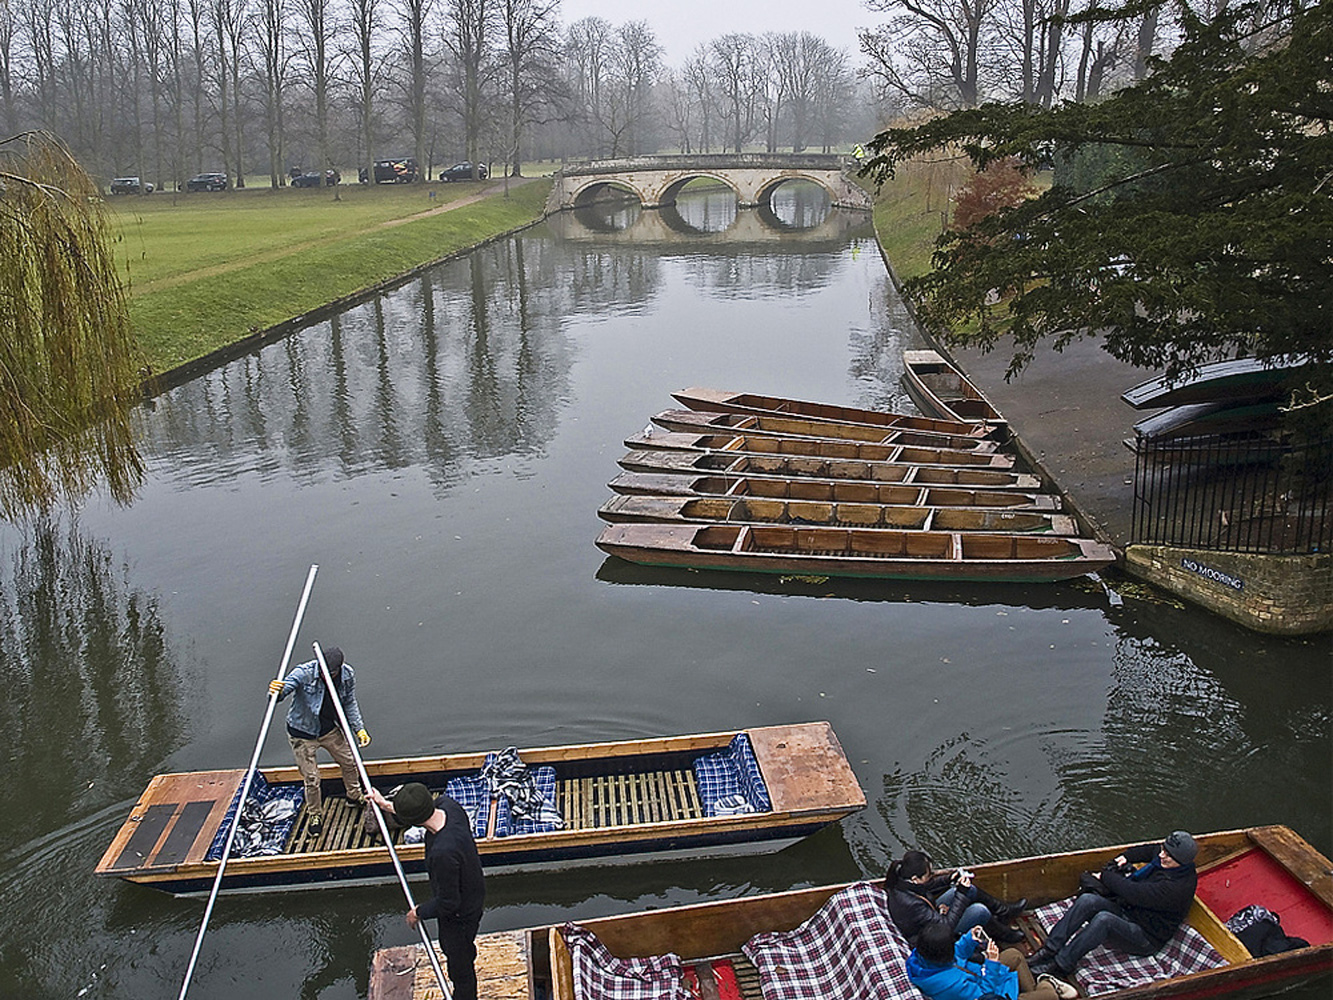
(657, 180)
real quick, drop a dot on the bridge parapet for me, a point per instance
(656, 180)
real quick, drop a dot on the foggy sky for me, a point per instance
(680, 25)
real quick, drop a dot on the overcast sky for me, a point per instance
(680, 25)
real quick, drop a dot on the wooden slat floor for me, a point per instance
(625, 799)
(342, 830)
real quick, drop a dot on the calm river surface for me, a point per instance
(441, 453)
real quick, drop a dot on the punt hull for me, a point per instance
(769, 444)
(703, 422)
(741, 510)
(829, 491)
(525, 965)
(864, 554)
(623, 801)
(811, 467)
(721, 401)
(941, 390)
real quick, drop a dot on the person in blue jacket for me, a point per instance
(973, 968)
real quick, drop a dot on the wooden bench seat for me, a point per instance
(622, 799)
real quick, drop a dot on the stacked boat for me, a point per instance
(767, 484)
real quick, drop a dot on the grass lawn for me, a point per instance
(910, 212)
(208, 269)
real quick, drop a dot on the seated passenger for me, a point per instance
(919, 895)
(1137, 911)
(973, 969)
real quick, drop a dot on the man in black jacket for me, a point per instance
(1137, 911)
(455, 878)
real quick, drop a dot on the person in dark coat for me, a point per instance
(1136, 910)
(455, 878)
(919, 895)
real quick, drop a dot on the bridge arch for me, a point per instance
(598, 187)
(657, 180)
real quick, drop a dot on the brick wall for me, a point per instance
(1283, 595)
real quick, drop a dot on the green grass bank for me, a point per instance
(206, 271)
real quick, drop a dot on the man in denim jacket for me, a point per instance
(312, 722)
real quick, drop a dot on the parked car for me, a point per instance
(313, 178)
(403, 170)
(463, 172)
(130, 185)
(207, 182)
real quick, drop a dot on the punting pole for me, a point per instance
(245, 785)
(379, 818)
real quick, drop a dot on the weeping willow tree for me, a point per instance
(69, 370)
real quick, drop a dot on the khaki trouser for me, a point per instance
(1028, 987)
(306, 751)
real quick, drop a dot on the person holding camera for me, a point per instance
(919, 895)
(973, 968)
(1136, 909)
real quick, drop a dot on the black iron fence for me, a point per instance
(1234, 495)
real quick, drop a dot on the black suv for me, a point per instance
(463, 172)
(402, 170)
(130, 185)
(207, 182)
(313, 178)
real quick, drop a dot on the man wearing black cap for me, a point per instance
(1136, 910)
(455, 877)
(312, 722)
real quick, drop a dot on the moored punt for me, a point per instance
(704, 422)
(857, 552)
(720, 401)
(941, 390)
(755, 510)
(829, 491)
(1208, 419)
(1272, 865)
(649, 460)
(772, 444)
(621, 801)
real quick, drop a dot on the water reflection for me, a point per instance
(93, 696)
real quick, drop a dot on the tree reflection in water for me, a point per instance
(93, 696)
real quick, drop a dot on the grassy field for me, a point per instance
(910, 212)
(208, 269)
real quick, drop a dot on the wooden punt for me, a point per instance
(721, 401)
(774, 444)
(703, 422)
(941, 390)
(622, 801)
(811, 467)
(1271, 865)
(756, 510)
(828, 491)
(1208, 420)
(857, 552)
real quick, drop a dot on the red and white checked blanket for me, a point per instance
(1105, 969)
(599, 975)
(850, 948)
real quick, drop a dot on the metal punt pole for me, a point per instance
(245, 785)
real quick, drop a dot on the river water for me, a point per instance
(440, 452)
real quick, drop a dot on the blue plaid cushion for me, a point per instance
(260, 836)
(475, 798)
(730, 781)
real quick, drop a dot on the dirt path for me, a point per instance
(277, 253)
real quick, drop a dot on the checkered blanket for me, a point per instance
(850, 948)
(599, 975)
(1104, 969)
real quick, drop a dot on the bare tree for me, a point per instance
(8, 29)
(734, 60)
(699, 82)
(931, 51)
(470, 38)
(637, 60)
(414, 16)
(316, 26)
(365, 23)
(273, 51)
(530, 79)
(588, 46)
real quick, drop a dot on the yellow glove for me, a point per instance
(362, 738)
(275, 687)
